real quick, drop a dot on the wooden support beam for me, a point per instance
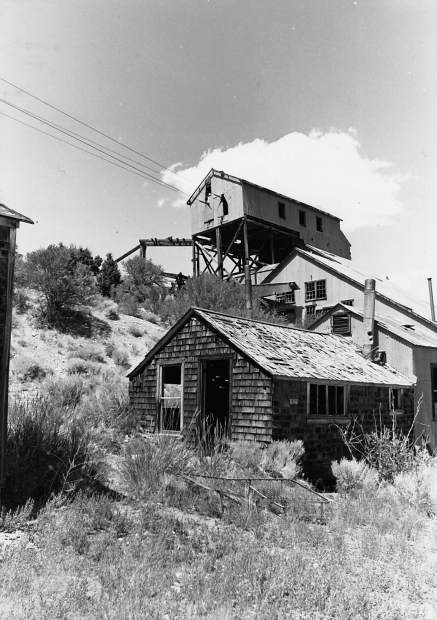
(247, 272)
(218, 243)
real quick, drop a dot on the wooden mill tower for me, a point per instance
(239, 228)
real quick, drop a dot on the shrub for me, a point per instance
(352, 476)
(65, 391)
(21, 301)
(418, 487)
(136, 331)
(18, 518)
(121, 357)
(88, 351)
(30, 369)
(147, 464)
(112, 315)
(283, 458)
(46, 452)
(78, 366)
(63, 280)
(212, 293)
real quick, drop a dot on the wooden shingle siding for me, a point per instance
(251, 401)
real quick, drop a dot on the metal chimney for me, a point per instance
(431, 299)
(369, 317)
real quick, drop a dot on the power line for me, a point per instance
(75, 146)
(91, 144)
(74, 118)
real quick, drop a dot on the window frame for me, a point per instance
(327, 415)
(399, 398)
(341, 315)
(281, 211)
(302, 218)
(319, 223)
(159, 397)
(285, 297)
(315, 284)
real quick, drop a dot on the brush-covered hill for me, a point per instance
(98, 341)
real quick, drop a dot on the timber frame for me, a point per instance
(238, 249)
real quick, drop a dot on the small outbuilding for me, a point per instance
(259, 381)
(9, 222)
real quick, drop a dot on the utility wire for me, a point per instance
(74, 118)
(91, 144)
(75, 146)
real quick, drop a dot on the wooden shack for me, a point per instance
(258, 381)
(9, 222)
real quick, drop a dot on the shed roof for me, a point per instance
(13, 215)
(290, 353)
(418, 335)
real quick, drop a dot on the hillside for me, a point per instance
(104, 341)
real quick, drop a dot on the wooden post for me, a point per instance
(143, 251)
(5, 352)
(247, 274)
(272, 248)
(218, 243)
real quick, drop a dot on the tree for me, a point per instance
(144, 286)
(63, 282)
(84, 257)
(212, 293)
(109, 276)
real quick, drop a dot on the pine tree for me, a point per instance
(109, 276)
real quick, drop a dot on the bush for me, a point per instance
(136, 331)
(418, 487)
(47, 452)
(66, 392)
(143, 287)
(148, 464)
(78, 366)
(63, 280)
(88, 351)
(21, 301)
(28, 368)
(120, 357)
(112, 315)
(212, 293)
(353, 476)
(283, 458)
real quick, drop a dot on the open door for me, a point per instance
(216, 397)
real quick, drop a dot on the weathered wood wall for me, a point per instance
(366, 404)
(251, 402)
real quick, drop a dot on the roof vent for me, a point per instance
(380, 358)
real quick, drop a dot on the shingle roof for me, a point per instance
(14, 215)
(291, 353)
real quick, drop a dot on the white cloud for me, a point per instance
(327, 170)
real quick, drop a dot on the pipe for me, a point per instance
(369, 317)
(431, 299)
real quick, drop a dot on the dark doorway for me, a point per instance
(215, 396)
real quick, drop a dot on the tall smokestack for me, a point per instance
(431, 299)
(369, 317)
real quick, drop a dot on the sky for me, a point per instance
(332, 103)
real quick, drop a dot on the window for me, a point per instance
(341, 324)
(170, 399)
(225, 205)
(302, 218)
(285, 298)
(319, 223)
(434, 391)
(316, 289)
(396, 399)
(310, 311)
(326, 400)
(207, 190)
(348, 302)
(281, 210)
